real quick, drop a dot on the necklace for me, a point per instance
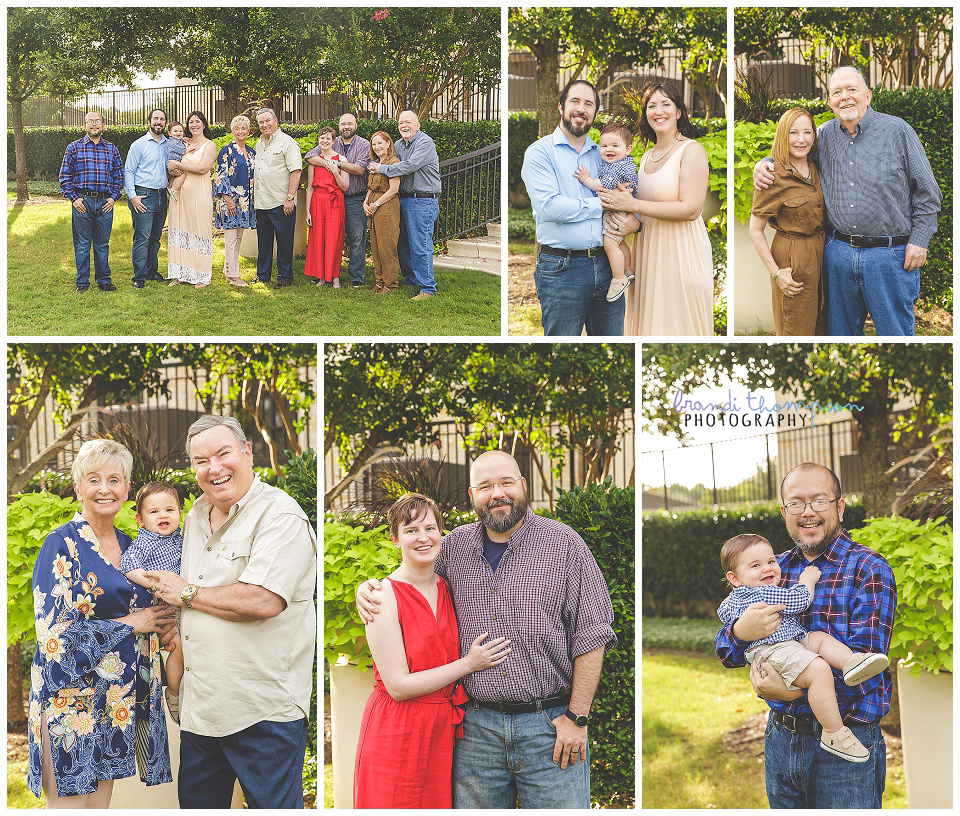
(666, 152)
(804, 174)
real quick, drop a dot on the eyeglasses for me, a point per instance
(487, 487)
(817, 505)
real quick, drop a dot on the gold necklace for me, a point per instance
(667, 152)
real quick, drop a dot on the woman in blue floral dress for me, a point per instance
(95, 710)
(232, 195)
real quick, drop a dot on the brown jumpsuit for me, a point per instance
(384, 230)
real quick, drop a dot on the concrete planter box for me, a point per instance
(752, 310)
(349, 690)
(926, 724)
(248, 241)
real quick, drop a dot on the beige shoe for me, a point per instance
(422, 296)
(845, 745)
(862, 666)
(616, 289)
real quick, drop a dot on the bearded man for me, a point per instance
(855, 600)
(533, 580)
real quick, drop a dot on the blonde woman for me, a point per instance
(383, 213)
(233, 196)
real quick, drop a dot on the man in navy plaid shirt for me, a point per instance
(855, 602)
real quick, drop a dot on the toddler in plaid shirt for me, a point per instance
(616, 168)
(802, 658)
(175, 151)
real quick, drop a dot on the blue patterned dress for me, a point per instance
(98, 685)
(233, 176)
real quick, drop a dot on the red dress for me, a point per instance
(405, 751)
(325, 242)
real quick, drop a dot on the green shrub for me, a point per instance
(683, 634)
(604, 516)
(681, 553)
(299, 480)
(521, 226)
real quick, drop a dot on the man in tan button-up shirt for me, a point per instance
(248, 628)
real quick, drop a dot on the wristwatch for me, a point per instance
(580, 720)
(188, 593)
(289, 198)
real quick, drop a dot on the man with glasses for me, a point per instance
(533, 580)
(854, 601)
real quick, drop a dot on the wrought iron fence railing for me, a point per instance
(470, 192)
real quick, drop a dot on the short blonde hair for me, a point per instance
(240, 118)
(781, 139)
(95, 453)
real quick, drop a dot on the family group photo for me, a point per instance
(314, 192)
(797, 582)
(479, 555)
(617, 171)
(161, 576)
(843, 158)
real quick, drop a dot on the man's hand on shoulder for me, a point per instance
(367, 601)
(763, 174)
(571, 744)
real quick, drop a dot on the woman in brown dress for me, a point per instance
(383, 210)
(793, 206)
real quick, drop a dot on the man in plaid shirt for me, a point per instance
(91, 177)
(854, 601)
(533, 580)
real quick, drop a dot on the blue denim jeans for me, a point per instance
(274, 223)
(415, 247)
(267, 759)
(147, 228)
(506, 759)
(871, 280)
(800, 774)
(92, 227)
(356, 228)
(573, 295)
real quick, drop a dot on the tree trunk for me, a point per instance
(19, 148)
(874, 427)
(16, 716)
(232, 104)
(547, 53)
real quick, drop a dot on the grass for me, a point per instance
(19, 796)
(327, 786)
(41, 299)
(685, 634)
(689, 701)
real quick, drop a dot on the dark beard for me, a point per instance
(575, 131)
(500, 524)
(816, 548)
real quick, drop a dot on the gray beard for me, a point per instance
(500, 524)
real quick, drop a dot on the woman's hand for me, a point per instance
(619, 199)
(309, 219)
(485, 655)
(369, 209)
(152, 619)
(787, 284)
(229, 203)
(174, 168)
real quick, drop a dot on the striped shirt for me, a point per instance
(878, 182)
(855, 602)
(621, 171)
(547, 596)
(795, 598)
(89, 165)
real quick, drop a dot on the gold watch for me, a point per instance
(188, 593)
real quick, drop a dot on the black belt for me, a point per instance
(593, 252)
(801, 725)
(419, 195)
(868, 242)
(90, 193)
(507, 707)
(151, 189)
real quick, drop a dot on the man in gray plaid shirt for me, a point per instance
(533, 580)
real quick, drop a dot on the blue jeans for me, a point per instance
(274, 223)
(871, 280)
(356, 227)
(92, 227)
(573, 294)
(800, 774)
(504, 759)
(147, 228)
(415, 247)
(267, 759)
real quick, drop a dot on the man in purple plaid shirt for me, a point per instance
(855, 602)
(533, 580)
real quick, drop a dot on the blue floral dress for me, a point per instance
(233, 176)
(98, 685)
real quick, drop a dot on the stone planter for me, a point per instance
(248, 241)
(926, 724)
(752, 312)
(349, 690)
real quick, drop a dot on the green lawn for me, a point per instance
(19, 796)
(41, 299)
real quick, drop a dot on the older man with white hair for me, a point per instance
(419, 171)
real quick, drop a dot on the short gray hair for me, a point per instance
(271, 111)
(855, 70)
(240, 118)
(208, 421)
(95, 453)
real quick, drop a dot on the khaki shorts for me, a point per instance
(789, 658)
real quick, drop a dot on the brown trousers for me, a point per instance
(384, 235)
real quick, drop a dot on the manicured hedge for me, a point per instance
(681, 553)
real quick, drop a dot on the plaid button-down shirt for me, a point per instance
(854, 600)
(547, 596)
(90, 166)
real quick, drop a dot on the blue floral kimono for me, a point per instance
(233, 176)
(98, 685)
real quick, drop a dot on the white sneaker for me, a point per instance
(862, 666)
(845, 745)
(616, 289)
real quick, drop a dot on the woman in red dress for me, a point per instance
(325, 186)
(405, 751)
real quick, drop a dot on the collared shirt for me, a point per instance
(238, 674)
(146, 164)
(418, 164)
(547, 596)
(357, 152)
(878, 182)
(90, 165)
(277, 157)
(795, 599)
(792, 204)
(855, 600)
(567, 213)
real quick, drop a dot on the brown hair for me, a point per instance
(173, 124)
(152, 489)
(619, 129)
(684, 127)
(327, 129)
(386, 137)
(408, 508)
(781, 138)
(734, 547)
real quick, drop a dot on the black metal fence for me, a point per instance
(470, 194)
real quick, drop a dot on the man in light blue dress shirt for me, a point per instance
(145, 183)
(572, 272)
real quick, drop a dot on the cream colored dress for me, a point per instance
(190, 227)
(673, 291)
